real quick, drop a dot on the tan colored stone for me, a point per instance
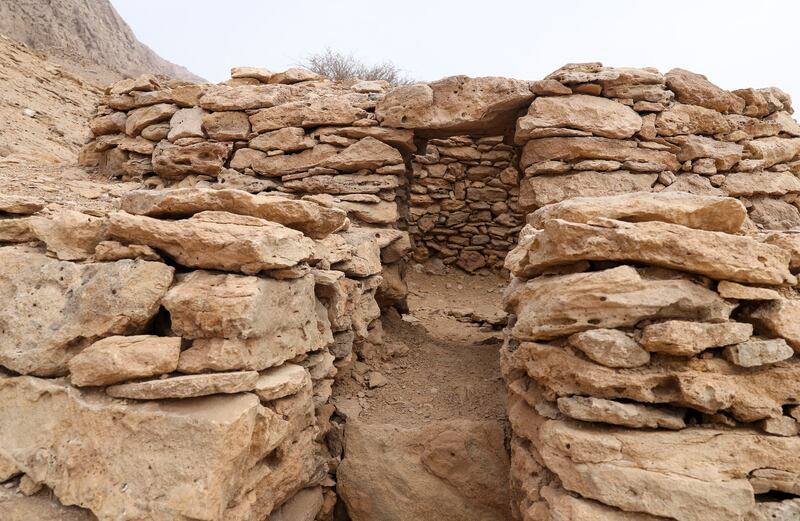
(140, 118)
(288, 139)
(200, 447)
(295, 75)
(226, 126)
(113, 123)
(314, 220)
(685, 338)
(780, 318)
(594, 114)
(573, 148)
(691, 119)
(754, 353)
(718, 255)
(119, 358)
(344, 184)
(262, 75)
(539, 191)
(367, 153)
(588, 409)
(695, 89)
(550, 307)
(110, 251)
(455, 104)
(610, 347)
(17, 230)
(281, 381)
(50, 310)
(187, 386)
(760, 183)
(401, 139)
(773, 150)
(70, 235)
(20, 205)
(216, 240)
(186, 123)
(733, 290)
(285, 164)
(788, 241)
(447, 471)
(175, 161)
(313, 113)
(724, 154)
(39, 507)
(303, 506)
(699, 212)
(224, 97)
(566, 507)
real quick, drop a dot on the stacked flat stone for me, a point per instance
(595, 130)
(463, 205)
(650, 361)
(174, 359)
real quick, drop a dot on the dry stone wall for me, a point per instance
(463, 205)
(651, 363)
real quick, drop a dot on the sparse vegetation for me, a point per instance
(339, 66)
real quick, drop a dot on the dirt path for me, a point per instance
(450, 368)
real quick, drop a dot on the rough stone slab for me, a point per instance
(303, 506)
(401, 139)
(539, 191)
(17, 506)
(695, 89)
(455, 104)
(226, 126)
(780, 318)
(724, 154)
(717, 255)
(330, 110)
(637, 416)
(575, 148)
(788, 241)
(367, 153)
(597, 115)
(216, 240)
(710, 213)
(288, 139)
(187, 386)
(760, 183)
(565, 507)
(549, 307)
(20, 205)
(691, 119)
(186, 123)
(282, 381)
(314, 220)
(686, 338)
(17, 230)
(733, 290)
(142, 117)
(175, 161)
(70, 235)
(707, 385)
(50, 310)
(119, 358)
(755, 352)
(243, 97)
(610, 347)
(199, 447)
(343, 184)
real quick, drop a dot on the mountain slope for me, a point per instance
(88, 37)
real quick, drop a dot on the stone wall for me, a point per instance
(651, 365)
(463, 205)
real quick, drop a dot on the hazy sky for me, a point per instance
(736, 43)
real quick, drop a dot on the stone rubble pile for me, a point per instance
(463, 201)
(174, 359)
(651, 363)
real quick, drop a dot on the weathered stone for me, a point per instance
(281, 381)
(224, 97)
(610, 347)
(573, 148)
(313, 113)
(261, 74)
(119, 358)
(382, 212)
(216, 240)
(175, 161)
(728, 289)
(780, 318)
(41, 506)
(588, 409)
(566, 507)
(365, 259)
(788, 241)
(691, 119)
(201, 448)
(20, 205)
(226, 126)
(760, 183)
(455, 104)
(367, 153)
(773, 214)
(685, 338)
(447, 471)
(344, 184)
(725, 155)
(50, 310)
(599, 116)
(286, 164)
(772, 150)
(288, 139)
(70, 235)
(303, 506)
(186, 123)
(17, 230)
(295, 75)
(110, 251)
(314, 220)
(717, 255)
(549, 307)
(113, 123)
(401, 139)
(721, 214)
(539, 191)
(695, 89)
(754, 353)
(140, 118)
(187, 386)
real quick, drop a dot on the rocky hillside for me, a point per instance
(43, 107)
(88, 37)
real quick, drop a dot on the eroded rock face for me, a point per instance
(449, 470)
(455, 104)
(198, 447)
(50, 310)
(216, 240)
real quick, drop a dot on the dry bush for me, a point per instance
(339, 66)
